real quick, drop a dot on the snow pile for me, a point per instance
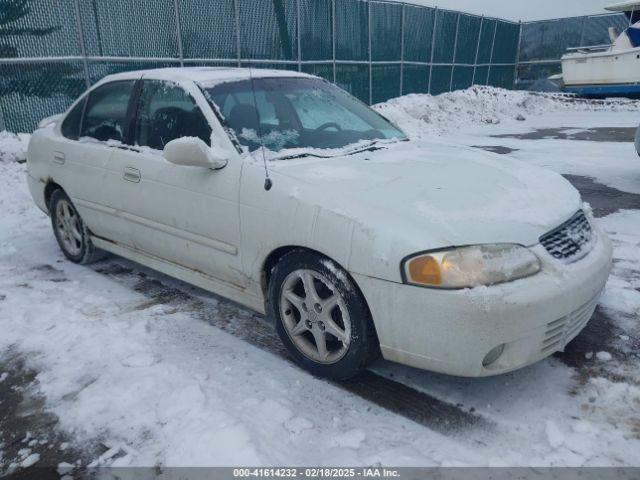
(421, 115)
(13, 148)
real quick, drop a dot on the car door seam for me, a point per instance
(184, 234)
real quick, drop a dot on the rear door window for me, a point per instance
(105, 115)
(166, 112)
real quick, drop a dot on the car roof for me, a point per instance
(205, 76)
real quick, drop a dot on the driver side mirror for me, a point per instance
(193, 152)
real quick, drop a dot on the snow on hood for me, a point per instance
(459, 195)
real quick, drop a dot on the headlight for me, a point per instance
(467, 267)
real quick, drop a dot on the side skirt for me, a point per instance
(193, 277)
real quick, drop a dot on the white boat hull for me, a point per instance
(602, 73)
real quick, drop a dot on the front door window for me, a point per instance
(167, 112)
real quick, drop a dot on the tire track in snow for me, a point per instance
(27, 428)
(393, 396)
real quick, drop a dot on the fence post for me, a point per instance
(98, 30)
(493, 44)
(298, 18)
(433, 45)
(83, 50)
(179, 33)
(402, 33)
(517, 65)
(370, 57)
(236, 14)
(333, 38)
(455, 52)
(2, 124)
(475, 63)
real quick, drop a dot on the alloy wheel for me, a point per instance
(69, 227)
(315, 316)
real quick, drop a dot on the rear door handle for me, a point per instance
(132, 175)
(59, 158)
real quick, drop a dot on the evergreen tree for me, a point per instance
(34, 79)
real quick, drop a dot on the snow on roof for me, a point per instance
(624, 6)
(206, 76)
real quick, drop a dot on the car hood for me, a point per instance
(449, 195)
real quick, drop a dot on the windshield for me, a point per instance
(285, 113)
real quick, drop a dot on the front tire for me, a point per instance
(71, 232)
(321, 317)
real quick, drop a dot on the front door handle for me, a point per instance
(59, 158)
(132, 175)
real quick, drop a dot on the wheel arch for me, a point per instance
(276, 255)
(50, 187)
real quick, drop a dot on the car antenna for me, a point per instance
(268, 183)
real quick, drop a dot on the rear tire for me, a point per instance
(321, 317)
(70, 231)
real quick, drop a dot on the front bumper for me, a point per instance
(452, 331)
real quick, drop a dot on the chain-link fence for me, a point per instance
(543, 43)
(51, 50)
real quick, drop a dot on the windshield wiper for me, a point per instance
(376, 145)
(372, 147)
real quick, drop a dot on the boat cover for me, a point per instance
(634, 36)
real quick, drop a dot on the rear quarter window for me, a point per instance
(105, 115)
(73, 121)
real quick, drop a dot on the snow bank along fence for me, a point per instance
(51, 50)
(543, 43)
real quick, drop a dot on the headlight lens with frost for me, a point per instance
(467, 267)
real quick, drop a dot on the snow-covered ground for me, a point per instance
(476, 115)
(13, 148)
(156, 381)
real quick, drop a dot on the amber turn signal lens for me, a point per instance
(471, 266)
(425, 270)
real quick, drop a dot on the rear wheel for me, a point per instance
(71, 232)
(321, 317)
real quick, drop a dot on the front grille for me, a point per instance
(570, 241)
(562, 331)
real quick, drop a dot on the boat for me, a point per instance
(611, 70)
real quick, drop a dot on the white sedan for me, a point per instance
(281, 192)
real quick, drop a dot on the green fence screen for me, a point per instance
(52, 50)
